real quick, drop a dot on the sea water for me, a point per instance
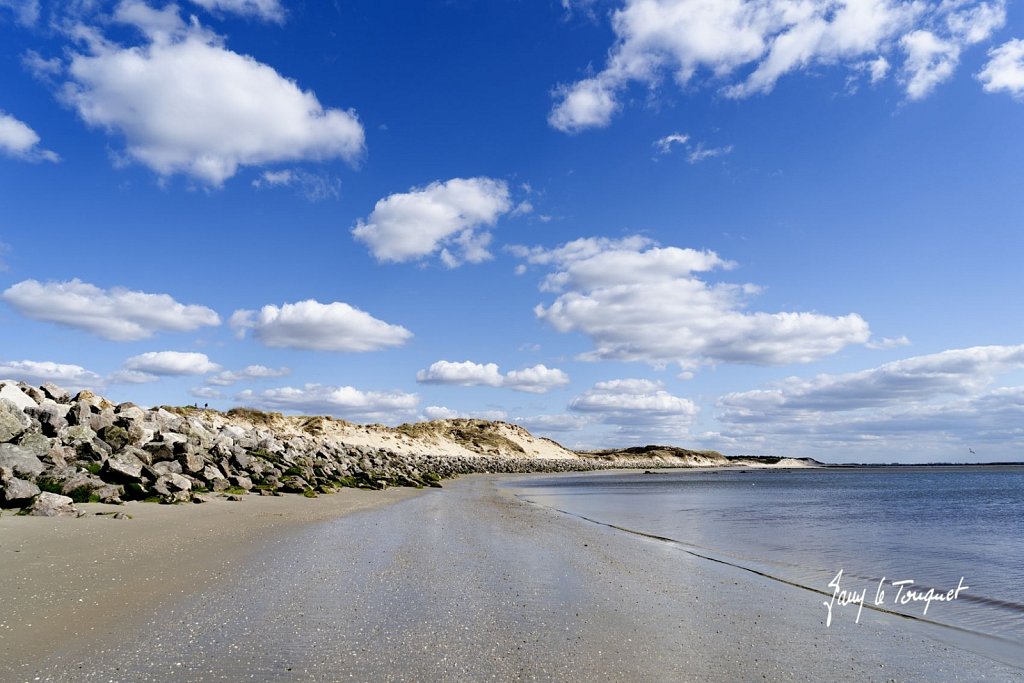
(893, 532)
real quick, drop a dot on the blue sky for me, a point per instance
(777, 227)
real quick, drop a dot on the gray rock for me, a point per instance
(211, 472)
(101, 420)
(170, 483)
(55, 393)
(37, 444)
(219, 484)
(16, 492)
(15, 395)
(51, 418)
(76, 434)
(241, 482)
(241, 459)
(80, 414)
(21, 461)
(13, 420)
(123, 466)
(193, 463)
(49, 504)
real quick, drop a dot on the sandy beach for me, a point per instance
(465, 583)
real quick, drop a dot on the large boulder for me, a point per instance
(55, 393)
(173, 488)
(21, 461)
(13, 420)
(123, 466)
(15, 492)
(49, 504)
(11, 391)
(51, 418)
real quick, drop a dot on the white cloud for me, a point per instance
(268, 10)
(132, 377)
(664, 145)
(466, 373)
(346, 402)
(40, 372)
(321, 327)
(640, 302)
(540, 424)
(443, 217)
(640, 409)
(246, 114)
(26, 11)
(930, 61)
(937, 398)
(1004, 71)
(171, 363)
(313, 186)
(746, 47)
(888, 343)
(701, 153)
(117, 314)
(444, 413)
(18, 140)
(537, 379)
(206, 392)
(229, 377)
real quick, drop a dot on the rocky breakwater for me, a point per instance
(57, 450)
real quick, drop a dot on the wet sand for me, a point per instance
(466, 583)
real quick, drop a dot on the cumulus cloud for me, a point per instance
(748, 46)
(537, 379)
(448, 218)
(19, 141)
(946, 395)
(1004, 71)
(32, 372)
(444, 413)
(132, 377)
(206, 392)
(641, 302)
(541, 424)
(184, 103)
(171, 363)
(267, 10)
(229, 377)
(346, 402)
(320, 327)
(640, 409)
(116, 314)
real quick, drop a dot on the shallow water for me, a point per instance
(931, 525)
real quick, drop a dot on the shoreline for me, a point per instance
(466, 583)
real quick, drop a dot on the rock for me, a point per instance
(15, 492)
(123, 466)
(80, 414)
(49, 504)
(115, 437)
(241, 482)
(211, 472)
(233, 497)
(170, 483)
(159, 450)
(36, 444)
(294, 484)
(241, 459)
(21, 461)
(13, 420)
(122, 515)
(76, 434)
(193, 463)
(11, 392)
(55, 393)
(101, 420)
(219, 484)
(51, 419)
